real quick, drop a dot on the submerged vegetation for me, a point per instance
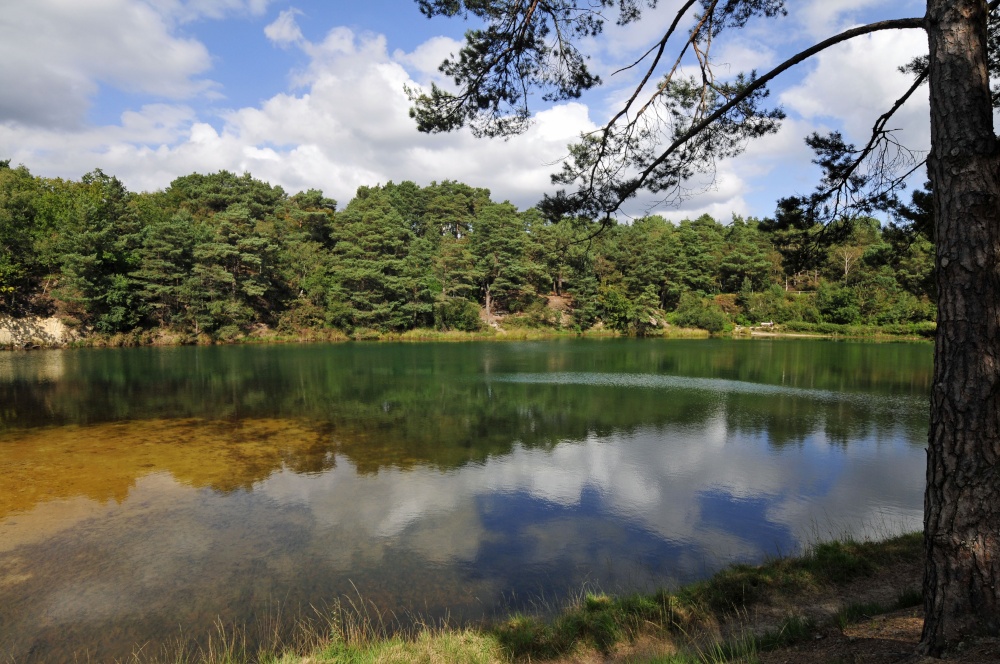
(225, 257)
(708, 621)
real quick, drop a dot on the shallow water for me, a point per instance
(147, 493)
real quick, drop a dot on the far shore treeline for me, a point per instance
(221, 256)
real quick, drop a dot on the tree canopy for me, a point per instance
(224, 261)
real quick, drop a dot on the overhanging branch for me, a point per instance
(879, 135)
(896, 24)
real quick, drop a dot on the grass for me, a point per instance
(170, 337)
(684, 625)
(324, 335)
(427, 647)
(924, 330)
(826, 564)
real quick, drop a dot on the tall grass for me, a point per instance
(685, 624)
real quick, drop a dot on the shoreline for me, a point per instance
(834, 602)
(162, 337)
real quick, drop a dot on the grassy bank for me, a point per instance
(264, 335)
(165, 337)
(735, 616)
(924, 330)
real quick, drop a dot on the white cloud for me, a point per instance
(285, 31)
(75, 47)
(823, 18)
(349, 126)
(427, 57)
(853, 83)
(741, 55)
(184, 11)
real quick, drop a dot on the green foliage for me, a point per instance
(748, 259)
(695, 311)
(206, 195)
(702, 246)
(838, 304)
(449, 209)
(618, 311)
(371, 283)
(223, 255)
(19, 262)
(96, 253)
(457, 313)
(639, 316)
(233, 274)
(501, 268)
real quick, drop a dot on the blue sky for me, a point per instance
(309, 94)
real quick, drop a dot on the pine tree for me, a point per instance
(370, 285)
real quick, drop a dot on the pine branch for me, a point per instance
(757, 84)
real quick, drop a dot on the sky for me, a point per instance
(309, 94)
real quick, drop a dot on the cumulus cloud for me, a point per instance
(74, 48)
(853, 83)
(284, 31)
(427, 57)
(822, 18)
(346, 125)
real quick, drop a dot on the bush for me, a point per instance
(617, 310)
(457, 313)
(228, 333)
(537, 315)
(301, 315)
(638, 317)
(838, 304)
(693, 311)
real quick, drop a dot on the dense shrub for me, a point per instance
(694, 311)
(457, 313)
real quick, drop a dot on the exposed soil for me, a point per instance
(890, 638)
(878, 639)
(885, 639)
(559, 302)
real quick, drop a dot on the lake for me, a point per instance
(147, 493)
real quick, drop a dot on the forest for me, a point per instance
(219, 256)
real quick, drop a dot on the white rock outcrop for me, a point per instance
(34, 332)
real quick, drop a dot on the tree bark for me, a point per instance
(962, 499)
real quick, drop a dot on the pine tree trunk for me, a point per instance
(962, 500)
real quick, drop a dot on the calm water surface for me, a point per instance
(145, 493)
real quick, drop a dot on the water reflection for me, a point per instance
(428, 478)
